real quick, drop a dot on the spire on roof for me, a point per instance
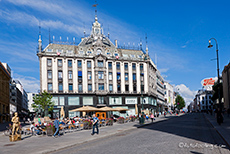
(40, 39)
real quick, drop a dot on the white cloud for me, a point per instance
(163, 70)
(186, 93)
(30, 84)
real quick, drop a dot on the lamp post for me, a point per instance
(218, 70)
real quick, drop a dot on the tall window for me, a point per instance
(88, 64)
(70, 87)
(142, 76)
(118, 65)
(126, 88)
(79, 64)
(118, 76)
(50, 87)
(126, 66)
(134, 77)
(100, 75)
(126, 76)
(89, 75)
(101, 86)
(110, 65)
(134, 88)
(110, 87)
(49, 62)
(59, 74)
(49, 74)
(110, 76)
(89, 87)
(59, 62)
(134, 66)
(70, 73)
(118, 87)
(80, 75)
(142, 87)
(141, 67)
(69, 63)
(100, 63)
(100, 100)
(60, 87)
(80, 87)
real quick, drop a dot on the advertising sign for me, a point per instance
(207, 83)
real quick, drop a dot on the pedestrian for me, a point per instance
(95, 124)
(165, 113)
(147, 117)
(39, 120)
(56, 125)
(228, 111)
(219, 116)
(152, 117)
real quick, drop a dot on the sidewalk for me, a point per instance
(45, 144)
(224, 129)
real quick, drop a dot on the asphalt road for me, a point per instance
(190, 133)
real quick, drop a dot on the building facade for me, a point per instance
(203, 101)
(97, 72)
(226, 86)
(30, 101)
(4, 94)
(161, 102)
(169, 95)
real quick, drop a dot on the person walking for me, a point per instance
(56, 125)
(152, 117)
(95, 124)
(219, 116)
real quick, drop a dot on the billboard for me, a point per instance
(207, 83)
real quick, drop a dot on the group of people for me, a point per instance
(75, 121)
(38, 128)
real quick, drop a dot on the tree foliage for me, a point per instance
(43, 100)
(180, 103)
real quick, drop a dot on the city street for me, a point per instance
(190, 133)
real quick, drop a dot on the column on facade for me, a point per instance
(146, 87)
(138, 74)
(93, 75)
(84, 76)
(114, 76)
(44, 73)
(122, 77)
(130, 77)
(55, 74)
(107, 75)
(75, 76)
(65, 75)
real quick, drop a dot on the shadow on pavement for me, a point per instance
(193, 126)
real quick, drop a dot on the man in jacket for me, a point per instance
(56, 125)
(95, 124)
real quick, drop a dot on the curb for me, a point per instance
(217, 131)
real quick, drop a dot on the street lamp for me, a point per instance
(218, 70)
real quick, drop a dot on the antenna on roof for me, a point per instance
(140, 44)
(84, 28)
(53, 38)
(73, 40)
(147, 50)
(95, 5)
(40, 39)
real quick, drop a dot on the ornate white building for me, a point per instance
(97, 72)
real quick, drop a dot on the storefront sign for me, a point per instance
(208, 83)
(131, 100)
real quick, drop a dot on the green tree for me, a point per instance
(180, 103)
(43, 101)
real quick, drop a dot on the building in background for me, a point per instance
(226, 86)
(99, 73)
(161, 102)
(30, 101)
(203, 101)
(5, 79)
(169, 95)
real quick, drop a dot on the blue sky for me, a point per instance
(178, 33)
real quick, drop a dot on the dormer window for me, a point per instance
(59, 50)
(69, 51)
(81, 52)
(49, 50)
(99, 51)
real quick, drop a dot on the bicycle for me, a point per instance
(8, 131)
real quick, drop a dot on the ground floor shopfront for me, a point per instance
(73, 101)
